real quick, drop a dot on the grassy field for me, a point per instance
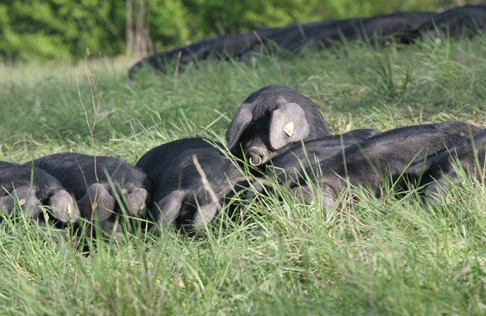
(384, 256)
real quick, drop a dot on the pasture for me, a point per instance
(386, 256)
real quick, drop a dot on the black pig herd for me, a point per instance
(279, 132)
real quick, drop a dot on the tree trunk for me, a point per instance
(139, 43)
(129, 29)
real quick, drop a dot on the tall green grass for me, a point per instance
(386, 256)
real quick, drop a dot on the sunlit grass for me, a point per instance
(387, 256)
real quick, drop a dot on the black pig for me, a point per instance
(290, 164)
(436, 171)
(379, 158)
(271, 121)
(181, 195)
(34, 188)
(87, 178)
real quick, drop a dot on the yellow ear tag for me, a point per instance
(142, 211)
(95, 206)
(289, 129)
(69, 210)
(21, 202)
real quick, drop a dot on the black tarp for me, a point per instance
(380, 30)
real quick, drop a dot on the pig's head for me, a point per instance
(271, 121)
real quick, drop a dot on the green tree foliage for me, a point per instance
(169, 23)
(364, 8)
(217, 17)
(64, 29)
(58, 29)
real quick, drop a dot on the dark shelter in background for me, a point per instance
(381, 30)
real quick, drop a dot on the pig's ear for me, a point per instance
(136, 198)
(63, 208)
(205, 214)
(288, 125)
(28, 200)
(240, 122)
(170, 207)
(7, 204)
(98, 197)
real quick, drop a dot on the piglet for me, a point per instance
(33, 189)
(88, 179)
(192, 179)
(379, 159)
(437, 171)
(289, 165)
(271, 121)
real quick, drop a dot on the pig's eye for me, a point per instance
(255, 161)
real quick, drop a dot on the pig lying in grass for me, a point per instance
(34, 189)
(437, 171)
(289, 165)
(88, 179)
(184, 196)
(378, 159)
(271, 121)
